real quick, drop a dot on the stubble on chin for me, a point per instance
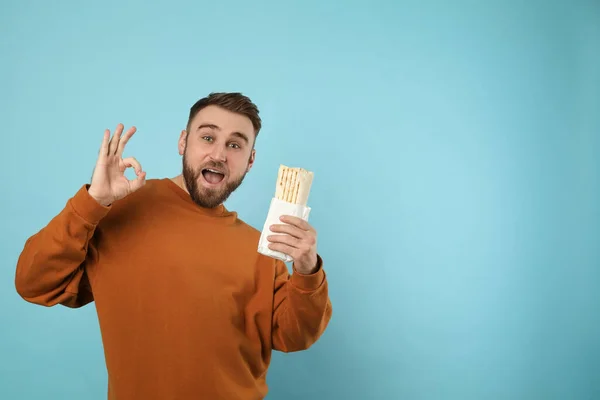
(205, 197)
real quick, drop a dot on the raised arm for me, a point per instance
(302, 308)
(51, 268)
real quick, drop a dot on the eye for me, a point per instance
(207, 138)
(234, 145)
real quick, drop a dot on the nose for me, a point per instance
(218, 154)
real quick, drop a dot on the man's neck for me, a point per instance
(178, 180)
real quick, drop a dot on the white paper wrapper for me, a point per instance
(276, 210)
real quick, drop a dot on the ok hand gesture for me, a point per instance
(108, 181)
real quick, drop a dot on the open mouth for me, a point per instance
(212, 176)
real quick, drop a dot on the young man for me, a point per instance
(187, 306)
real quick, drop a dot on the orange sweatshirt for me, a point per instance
(187, 307)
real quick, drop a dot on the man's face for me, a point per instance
(217, 153)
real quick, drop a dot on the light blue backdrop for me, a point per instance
(455, 147)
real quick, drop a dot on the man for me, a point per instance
(188, 308)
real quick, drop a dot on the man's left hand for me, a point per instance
(299, 241)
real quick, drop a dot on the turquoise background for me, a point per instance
(455, 149)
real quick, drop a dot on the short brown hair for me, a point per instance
(234, 102)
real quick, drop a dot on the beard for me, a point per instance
(205, 197)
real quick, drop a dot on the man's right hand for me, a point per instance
(109, 182)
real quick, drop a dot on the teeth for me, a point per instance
(216, 172)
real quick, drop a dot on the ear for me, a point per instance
(182, 142)
(251, 160)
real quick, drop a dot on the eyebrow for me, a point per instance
(211, 126)
(240, 135)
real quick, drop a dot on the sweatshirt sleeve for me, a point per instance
(302, 308)
(51, 267)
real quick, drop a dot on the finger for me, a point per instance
(138, 182)
(125, 139)
(285, 239)
(114, 142)
(104, 147)
(283, 248)
(289, 229)
(132, 162)
(297, 222)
